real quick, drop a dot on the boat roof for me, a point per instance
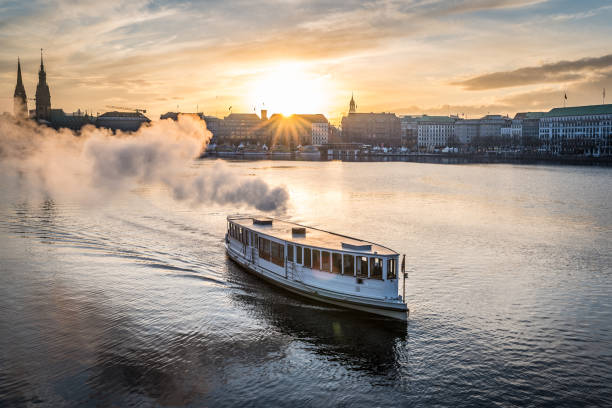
(311, 237)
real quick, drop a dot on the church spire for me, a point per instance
(352, 106)
(43, 96)
(20, 100)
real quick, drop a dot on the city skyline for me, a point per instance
(410, 58)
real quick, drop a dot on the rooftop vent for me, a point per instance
(262, 221)
(363, 247)
(298, 231)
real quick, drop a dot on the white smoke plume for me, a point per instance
(97, 164)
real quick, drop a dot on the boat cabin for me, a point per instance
(315, 257)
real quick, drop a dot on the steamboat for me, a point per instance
(319, 265)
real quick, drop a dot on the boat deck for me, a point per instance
(313, 237)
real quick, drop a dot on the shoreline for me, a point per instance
(436, 158)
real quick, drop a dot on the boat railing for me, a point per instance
(293, 273)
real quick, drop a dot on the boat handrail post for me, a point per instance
(404, 278)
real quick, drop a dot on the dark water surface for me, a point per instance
(134, 303)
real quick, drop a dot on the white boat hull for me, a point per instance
(393, 310)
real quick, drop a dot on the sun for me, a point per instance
(289, 88)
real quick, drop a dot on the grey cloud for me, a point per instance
(562, 71)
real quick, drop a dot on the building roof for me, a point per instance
(242, 116)
(117, 114)
(529, 115)
(580, 111)
(437, 119)
(493, 117)
(364, 114)
(312, 118)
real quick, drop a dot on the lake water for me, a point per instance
(134, 302)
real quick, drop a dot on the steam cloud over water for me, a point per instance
(97, 165)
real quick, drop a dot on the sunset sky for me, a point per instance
(410, 57)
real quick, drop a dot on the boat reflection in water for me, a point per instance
(361, 341)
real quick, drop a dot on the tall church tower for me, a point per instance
(20, 100)
(43, 97)
(352, 106)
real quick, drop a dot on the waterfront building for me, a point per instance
(482, 133)
(409, 129)
(523, 130)
(212, 122)
(577, 130)
(434, 132)
(20, 100)
(43, 96)
(371, 128)
(75, 120)
(124, 121)
(317, 124)
(335, 135)
(295, 130)
(239, 128)
(466, 131)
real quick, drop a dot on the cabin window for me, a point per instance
(307, 260)
(264, 249)
(336, 263)
(290, 253)
(316, 259)
(362, 266)
(376, 268)
(349, 265)
(325, 261)
(298, 252)
(391, 266)
(277, 255)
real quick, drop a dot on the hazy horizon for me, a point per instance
(434, 57)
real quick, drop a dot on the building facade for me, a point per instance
(524, 130)
(409, 131)
(124, 121)
(484, 132)
(434, 132)
(584, 130)
(466, 131)
(318, 126)
(239, 128)
(371, 128)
